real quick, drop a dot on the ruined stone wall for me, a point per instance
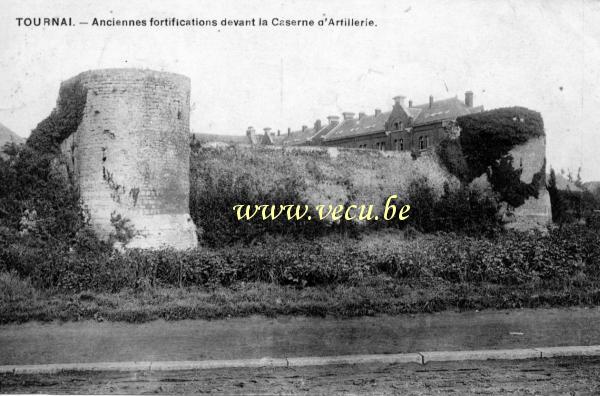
(130, 155)
(535, 213)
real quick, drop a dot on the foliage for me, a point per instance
(488, 136)
(62, 121)
(483, 148)
(124, 230)
(226, 176)
(506, 181)
(462, 210)
(36, 197)
(452, 158)
(14, 289)
(506, 258)
(570, 206)
(556, 201)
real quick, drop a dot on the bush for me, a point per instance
(463, 210)
(36, 197)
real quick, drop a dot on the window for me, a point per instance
(426, 141)
(401, 144)
(396, 125)
(421, 143)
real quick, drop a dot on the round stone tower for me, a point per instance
(130, 156)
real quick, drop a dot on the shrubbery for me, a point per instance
(464, 211)
(572, 206)
(507, 258)
(36, 197)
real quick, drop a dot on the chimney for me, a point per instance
(304, 128)
(333, 120)
(469, 98)
(289, 131)
(377, 112)
(361, 115)
(279, 132)
(348, 115)
(430, 101)
(410, 103)
(399, 100)
(318, 125)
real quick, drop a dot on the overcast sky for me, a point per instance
(541, 55)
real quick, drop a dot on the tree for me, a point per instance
(556, 202)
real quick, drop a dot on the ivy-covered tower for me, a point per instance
(129, 155)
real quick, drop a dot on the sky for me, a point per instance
(543, 55)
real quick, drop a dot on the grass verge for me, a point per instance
(379, 294)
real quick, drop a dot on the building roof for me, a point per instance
(309, 135)
(210, 137)
(442, 110)
(354, 127)
(322, 134)
(298, 138)
(422, 114)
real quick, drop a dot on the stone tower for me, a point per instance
(130, 155)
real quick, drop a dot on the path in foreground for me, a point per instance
(258, 337)
(538, 376)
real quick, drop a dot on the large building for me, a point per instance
(406, 127)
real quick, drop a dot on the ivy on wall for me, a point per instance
(62, 121)
(488, 136)
(483, 146)
(506, 181)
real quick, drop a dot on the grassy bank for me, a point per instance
(373, 295)
(385, 271)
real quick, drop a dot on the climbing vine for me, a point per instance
(483, 147)
(62, 121)
(488, 136)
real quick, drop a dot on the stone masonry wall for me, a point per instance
(535, 213)
(130, 155)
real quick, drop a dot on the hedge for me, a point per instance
(508, 258)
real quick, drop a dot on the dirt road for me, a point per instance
(541, 376)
